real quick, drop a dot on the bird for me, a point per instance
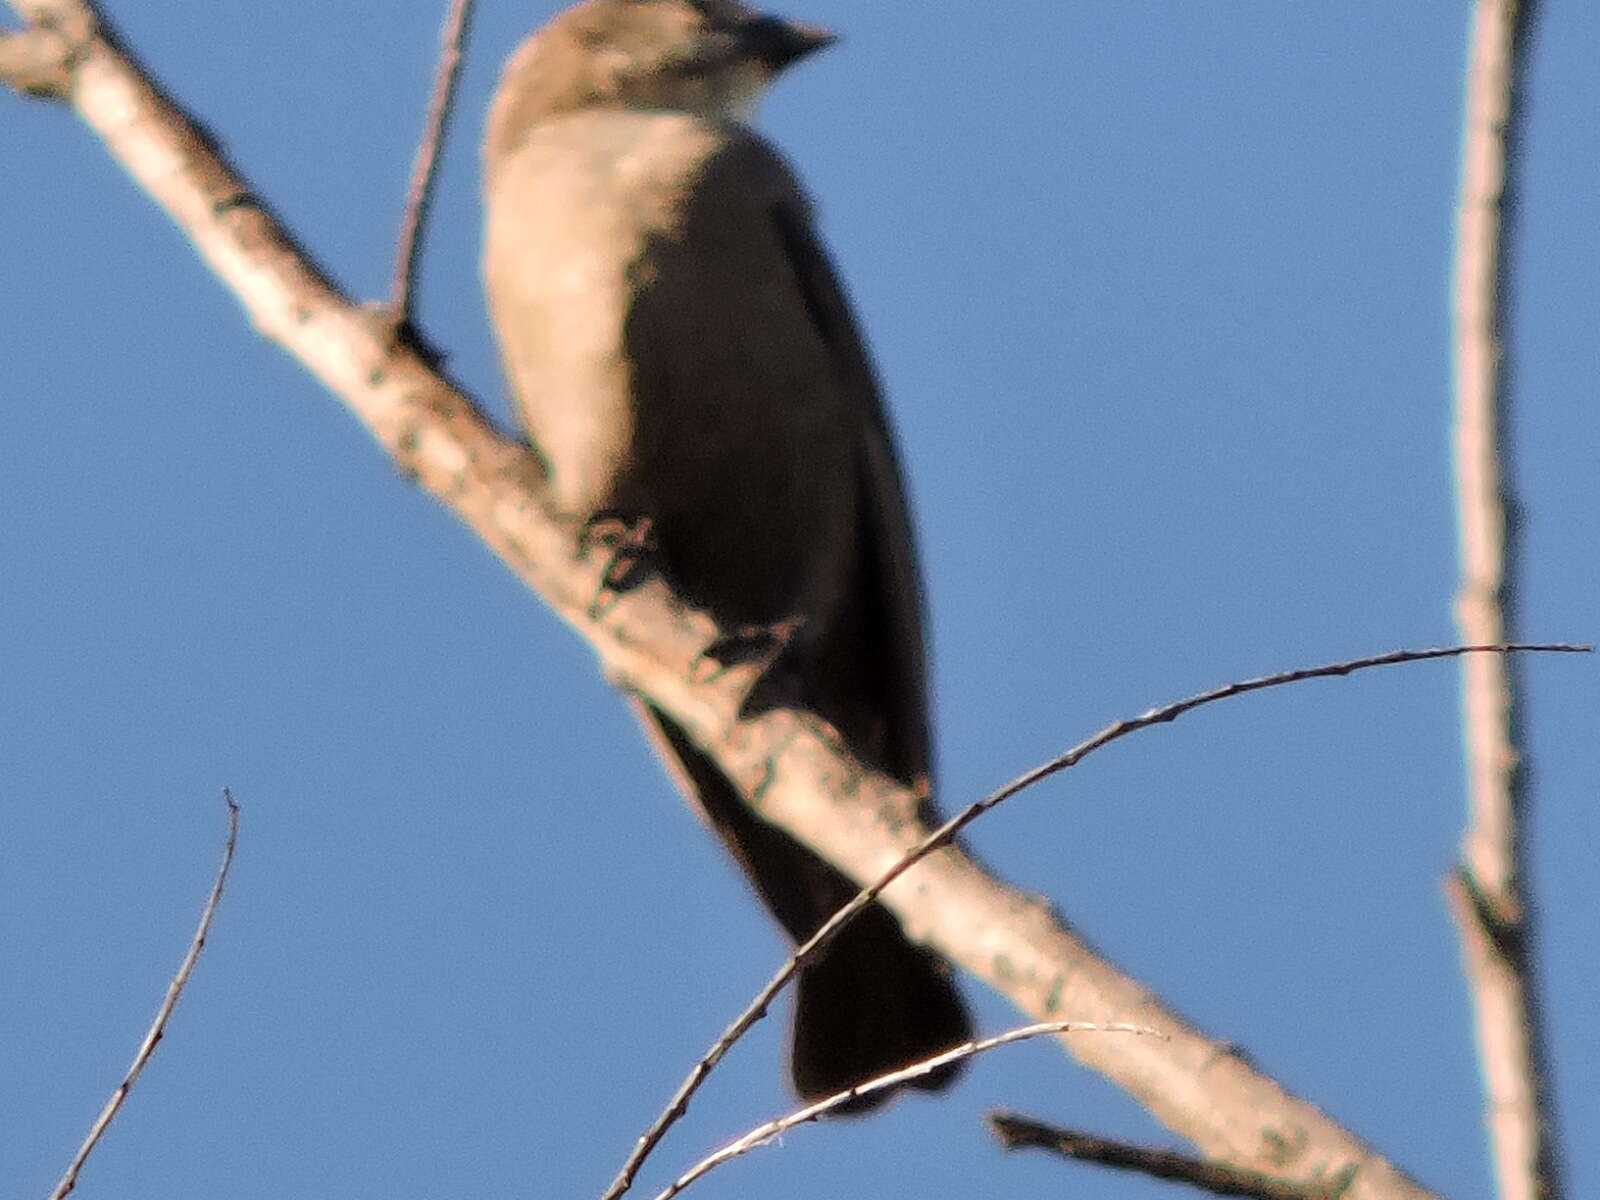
(681, 354)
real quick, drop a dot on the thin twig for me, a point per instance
(158, 1027)
(679, 1104)
(419, 196)
(1019, 1132)
(811, 1112)
(1488, 889)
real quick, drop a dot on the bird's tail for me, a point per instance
(874, 1001)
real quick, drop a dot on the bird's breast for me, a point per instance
(570, 215)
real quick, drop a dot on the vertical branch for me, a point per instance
(419, 196)
(1488, 893)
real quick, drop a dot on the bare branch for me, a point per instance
(945, 835)
(1488, 895)
(158, 1027)
(1517, 1117)
(419, 197)
(1018, 1132)
(764, 1133)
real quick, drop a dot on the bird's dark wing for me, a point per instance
(875, 1001)
(889, 634)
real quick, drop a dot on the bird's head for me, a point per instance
(713, 57)
(709, 57)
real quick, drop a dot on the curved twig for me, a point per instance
(768, 1130)
(158, 1027)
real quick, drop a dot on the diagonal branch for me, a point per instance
(1017, 1132)
(158, 1027)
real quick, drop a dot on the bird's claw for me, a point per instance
(748, 644)
(630, 545)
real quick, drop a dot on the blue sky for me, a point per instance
(1158, 291)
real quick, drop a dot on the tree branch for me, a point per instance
(1488, 892)
(419, 196)
(158, 1027)
(1017, 1132)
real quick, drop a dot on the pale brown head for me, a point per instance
(708, 57)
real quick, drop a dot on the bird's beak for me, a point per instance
(777, 43)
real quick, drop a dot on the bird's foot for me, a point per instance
(762, 644)
(630, 546)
